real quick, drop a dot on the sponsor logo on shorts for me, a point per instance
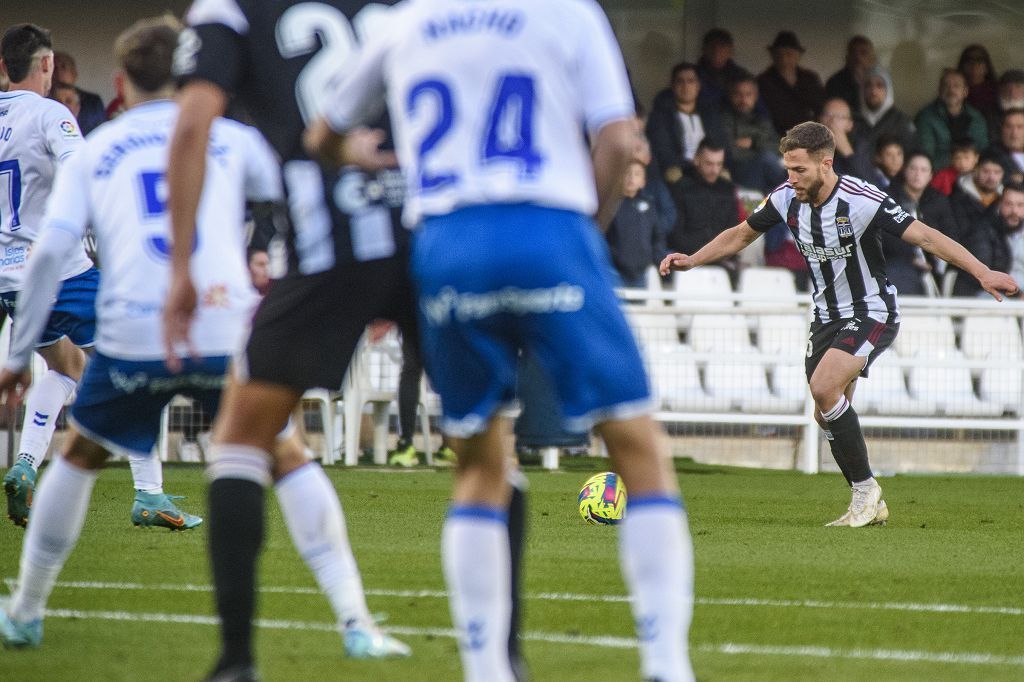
(852, 325)
(466, 306)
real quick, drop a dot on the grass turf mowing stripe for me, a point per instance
(727, 648)
(569, 596)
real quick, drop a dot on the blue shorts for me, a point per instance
(494, 279)
(74, 313)
(120, 401)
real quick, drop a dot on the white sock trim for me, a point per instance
(837, 411)
(243, 462)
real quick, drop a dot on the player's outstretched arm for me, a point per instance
(727, 243)
(200, 102)
(934, 242)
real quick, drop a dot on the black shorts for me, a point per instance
(859, 336)
(307, 328)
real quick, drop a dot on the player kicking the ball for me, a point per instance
(835, 221)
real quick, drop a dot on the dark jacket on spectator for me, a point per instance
(714, 83)
(93, 113)
(842, 84)
(665, 132)
(790, 105)
(976, 231)
(704, 209)
(636, 237)
(933, 209)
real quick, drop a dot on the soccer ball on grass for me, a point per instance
(603, 499)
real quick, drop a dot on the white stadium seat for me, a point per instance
(987, 337)
(676, 384)
(952, 389)
(925, 337)
(782, 334)
(726, 334)
(885, 392)
(704, 287)
(745, 386)
(653, 331)
(771, 287)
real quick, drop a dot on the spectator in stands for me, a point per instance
(887, 162)
(949, 118)
(636, 236)
(905, 264)
(93, 112)
(678, 123)
(716, 68)
(1009, 149)
(836, 116)
(259, 269)
(846, 83)
(877, 116)
(1011, 96)
(655, 186)
(68, 96)
(752, 145)
(792, 94)
(706, 202)
(1011, 210)
(974, 202)
(997, 240)
(982, 87)
(964, 160)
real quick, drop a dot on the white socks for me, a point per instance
(58, 514)
(147, 472)
(657, 563)
(316, 523)
(44, 402)
(475, 555)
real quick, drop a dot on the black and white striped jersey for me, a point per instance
(279, 59)
(841, 243)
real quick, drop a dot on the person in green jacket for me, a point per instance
(949, 119)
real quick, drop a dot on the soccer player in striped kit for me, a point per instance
(835, 221)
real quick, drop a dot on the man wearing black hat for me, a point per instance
(792, 95)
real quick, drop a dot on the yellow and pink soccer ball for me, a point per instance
(603, 499)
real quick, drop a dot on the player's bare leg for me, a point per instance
(654, 546)
(834, 376)
(59, 512)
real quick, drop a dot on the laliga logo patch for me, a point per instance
(68, 128)
(844, 226)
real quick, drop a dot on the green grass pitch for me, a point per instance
(936, 595)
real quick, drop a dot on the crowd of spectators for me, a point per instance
(957, 163)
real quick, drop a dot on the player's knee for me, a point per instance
(239, 462)
(83, 453)
(825, 394)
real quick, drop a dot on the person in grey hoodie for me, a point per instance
(877, 115)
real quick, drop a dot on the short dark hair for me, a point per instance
(709, 145)
(964, 144)
(1011, 76)
(742, 78)
(146, 51)
(884, 141)
(683, 66)
(816, 138)
(717, 36)
(989, 157)
(19, 46)
(1013, 187)
(1014, 111)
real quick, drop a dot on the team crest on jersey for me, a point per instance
(68, 128)
(844, 225)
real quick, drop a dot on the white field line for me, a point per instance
(727, 648)
(599, 598)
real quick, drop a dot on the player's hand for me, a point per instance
(13, 385)
(998, 283)
(361, 147)
(676, 261)
(179, 309)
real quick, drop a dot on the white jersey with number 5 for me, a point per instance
(36, 135)
(490, 100)
(117, 184)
